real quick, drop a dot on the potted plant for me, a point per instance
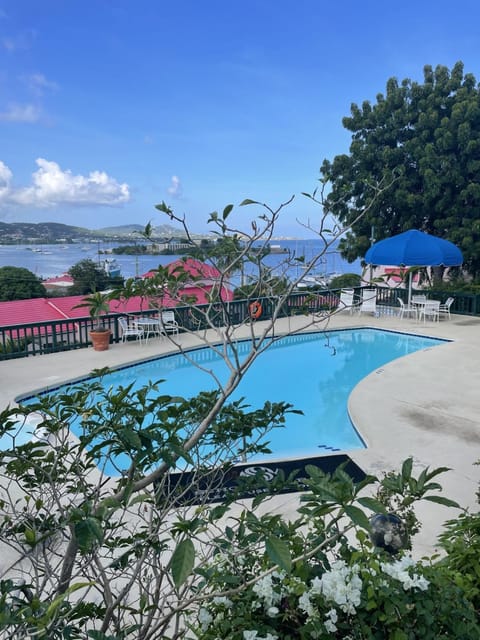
(97, 304)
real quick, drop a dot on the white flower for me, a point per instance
(316, 586)
(223, 600)
(272, 611)
(332, 614)
(251, 634)
(421, 583)
(330, 626)
(329, 623)
(343, 586)
(204, 618)
(398, 570)
(264, 590)
(305, 604)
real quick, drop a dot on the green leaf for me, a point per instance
(407, 469)
(421, 481)
(181, 564)
(143, 497)
(279, 553)
(227, 211)
(130, 438)
(88, 532)
(53, 606)
(164, 208)
(441, 500)
(111, 503)
(372, 504)
(248, 201)
(357, 516)
(437, 472)
(30, 536)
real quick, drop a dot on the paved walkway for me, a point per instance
(425, 405)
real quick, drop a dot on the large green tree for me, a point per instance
(17, 283)
(428, 137)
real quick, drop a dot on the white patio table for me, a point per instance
(427, 307)
(150, 326)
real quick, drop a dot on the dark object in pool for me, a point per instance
(388, 532)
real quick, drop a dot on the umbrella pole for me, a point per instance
(410, 288)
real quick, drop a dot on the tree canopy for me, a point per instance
(88, 277)
(18, 283)
(427, 137)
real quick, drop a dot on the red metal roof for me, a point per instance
(26, 311)
(46, 309)
(397, 274)
(195, 268)
(65, 278)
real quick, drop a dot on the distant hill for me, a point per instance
(39, 231)
(48, 232)
(122, 229)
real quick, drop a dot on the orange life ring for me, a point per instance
(255, 310)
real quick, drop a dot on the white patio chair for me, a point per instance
(407, 310)
(369, 301)
(444, 307)
(430, 309)
(168, 322)
(129, 330)
(347, 301)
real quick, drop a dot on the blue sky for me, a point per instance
(108, 107)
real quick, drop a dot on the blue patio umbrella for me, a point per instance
(414, 249)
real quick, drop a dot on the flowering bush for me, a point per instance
(330, 574)
(369, 596)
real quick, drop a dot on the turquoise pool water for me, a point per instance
(315, 372)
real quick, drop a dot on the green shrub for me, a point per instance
(345, 281)
(461, 541)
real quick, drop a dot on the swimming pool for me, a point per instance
(315, 372)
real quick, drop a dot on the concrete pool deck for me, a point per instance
(425, 405)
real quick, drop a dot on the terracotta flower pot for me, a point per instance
(100, 339)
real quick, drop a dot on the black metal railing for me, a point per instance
(30, 339)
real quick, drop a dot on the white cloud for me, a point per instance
(51, 186)
(20, 41)
(38, 84)
(9, 44)
(21, 113)
(5, 180)
(175, 188)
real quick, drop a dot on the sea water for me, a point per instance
(54, 260)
